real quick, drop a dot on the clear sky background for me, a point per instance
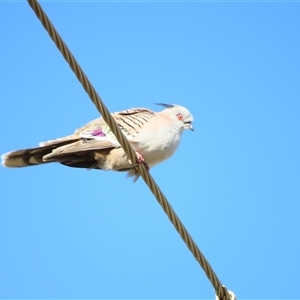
(234, 182)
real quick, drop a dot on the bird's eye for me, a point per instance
(180, 117)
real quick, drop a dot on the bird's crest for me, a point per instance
(164, 104)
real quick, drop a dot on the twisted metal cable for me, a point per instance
(220, 290)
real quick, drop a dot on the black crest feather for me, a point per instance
(164, 104)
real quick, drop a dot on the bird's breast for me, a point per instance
(157, 147)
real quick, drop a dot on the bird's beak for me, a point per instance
(189, 126)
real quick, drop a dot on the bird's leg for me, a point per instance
(140, 157)
(141, 160)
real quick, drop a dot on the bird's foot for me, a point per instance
(140, 160)
(139, 157)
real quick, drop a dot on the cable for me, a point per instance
(220, 290)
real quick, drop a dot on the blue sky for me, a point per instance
(234, 182)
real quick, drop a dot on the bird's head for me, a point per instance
(181, 116)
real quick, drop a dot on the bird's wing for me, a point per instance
(130, 121)
(96, 135)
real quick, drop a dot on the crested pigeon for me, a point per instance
(154, 136)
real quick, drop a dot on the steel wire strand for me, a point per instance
(220, 290)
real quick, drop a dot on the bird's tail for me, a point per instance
(31, 156)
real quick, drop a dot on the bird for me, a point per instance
(154, 136)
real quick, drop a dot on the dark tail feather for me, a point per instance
(28, 157)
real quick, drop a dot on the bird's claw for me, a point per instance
(139, 157)
(140, 160)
